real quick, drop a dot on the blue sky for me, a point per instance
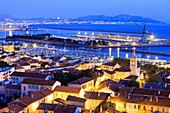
(156, 9)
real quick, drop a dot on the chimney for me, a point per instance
(128, 96)
(159, 92)
(151, 99)
(157, 99)
(101, 109)
(99, 94)
(165, 84)
(32, 96)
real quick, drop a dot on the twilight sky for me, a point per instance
(156, 9)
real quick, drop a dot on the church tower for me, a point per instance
(133, 63)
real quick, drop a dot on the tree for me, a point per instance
(122, 62)
(62, 77)
(3, 64)
(149, 69)
(88, 73)
(44, 64)
(155, 78)
(133, 83)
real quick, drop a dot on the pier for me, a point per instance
(146, 52)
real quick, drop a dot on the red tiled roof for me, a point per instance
(15, 87)
(96, 95)
(67, 89)
(38, 82)
(29, 75)
(35, 96)
(76, 99)
(81, 80)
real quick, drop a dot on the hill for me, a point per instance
(118, 18)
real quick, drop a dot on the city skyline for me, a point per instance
(75, 8)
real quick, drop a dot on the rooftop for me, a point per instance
(29, 75)
(110, 64)
(65, 109)
(76, 99)
(38, 82)
(33, 97)
(14, 87)
(45, 106)
(81, 80)
(67, 89)
(96, 95)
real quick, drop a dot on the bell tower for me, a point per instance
(133, 63)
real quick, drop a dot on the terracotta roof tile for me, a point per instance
(81, 80)
(67, 89)
(38, 82)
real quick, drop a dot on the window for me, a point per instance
(61, 95)
(36, 87)
(144, 107)
(134, 106)
(163, 110)
(151, 108)
(124, 105)
(29, 86)
(139, 106)
(24, 88)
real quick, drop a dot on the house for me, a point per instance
(18, 77)
(108, 86)
(5, 72)
(75, 101)
(29, 103)
(86, 65)
(121, 73)
(57, 108)
(140, 100)
(94, 99)
(12, 91)
(63, 92)
(67, 109)
(46, 107)
(85, 83)
(19, 68)
(109, 74)
(31, 85)
(35, 63)
(110, 66)
(25, 65)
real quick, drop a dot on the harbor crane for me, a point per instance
(143, 30)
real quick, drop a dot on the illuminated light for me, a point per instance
(34, 45)
(148, 57)
(92, 34)
(78, 33)
(85, 33)
(58, 18)
(152, 37)
(156, 57)
(127, 56)
(134, 43)
(50, 98)
(118, 44)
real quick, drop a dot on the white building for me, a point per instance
(5, 72)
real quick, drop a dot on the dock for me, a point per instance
(147, 52)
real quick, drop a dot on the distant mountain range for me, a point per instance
(118, 18)
(93, 18)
